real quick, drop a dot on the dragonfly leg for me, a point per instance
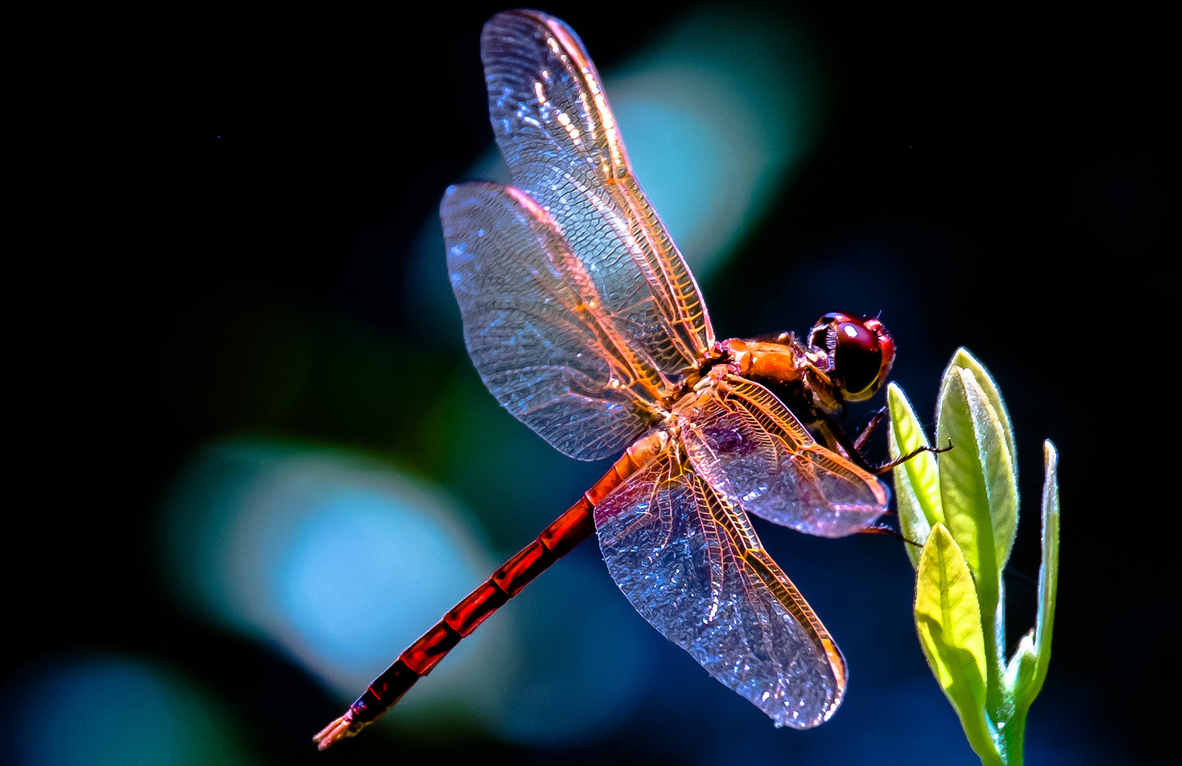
(882, 528)
(831, 435)
(888, 466)
(869, 428)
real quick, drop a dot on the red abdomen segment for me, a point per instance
(555, 541)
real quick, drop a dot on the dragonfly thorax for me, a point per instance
(844, 359)
(796, 373)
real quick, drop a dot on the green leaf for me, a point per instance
(1003, 508)
(977, 483)
(967, 361)
(917, 482)
(959, 607)
(948, 621)
(912, 524)
(1027, 686)
(1022, 665)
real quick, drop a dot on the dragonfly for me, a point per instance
(584, 321)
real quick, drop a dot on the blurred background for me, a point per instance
(260, 462)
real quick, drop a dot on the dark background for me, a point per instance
(991, 178)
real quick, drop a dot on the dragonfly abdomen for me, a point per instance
(555, 541)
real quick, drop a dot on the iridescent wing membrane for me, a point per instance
(691, 564)
(579, 312)
(584, 322)
(752, 448)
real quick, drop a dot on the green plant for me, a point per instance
(962, 506)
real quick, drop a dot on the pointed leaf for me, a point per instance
(980, 495)
(917, 482)
(912, 524)
(1003, 496)
(1048, 582)
(1048, 571)
(965, 360)
(948, 621)
(962, 481)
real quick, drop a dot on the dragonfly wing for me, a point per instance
(558, 135)
(532, 325)
(692, 566)
(751, 447)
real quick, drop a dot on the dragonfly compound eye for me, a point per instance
(862, 351)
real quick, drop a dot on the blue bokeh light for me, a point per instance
(342, 562)
(589, 664)
(716, 114)
(102, 709)
(336, 559)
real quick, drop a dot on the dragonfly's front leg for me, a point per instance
(869, 428)
(832, 436)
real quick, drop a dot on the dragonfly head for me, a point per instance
(861, 352)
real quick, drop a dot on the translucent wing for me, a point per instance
(535, 328)
(752, 448)
(557, 133)
(692, 566)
